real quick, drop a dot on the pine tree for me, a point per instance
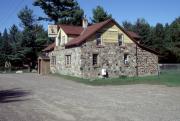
(28, 36)
(99, 15)
(128, 26)
(15, 37)
(174, 32)
(6, 47)
(158, 37)
(143, 29)
(61, 11)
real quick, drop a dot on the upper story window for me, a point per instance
(63, 39)
(98, 39)
(120, 39)
(59, 39)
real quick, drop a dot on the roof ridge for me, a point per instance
(69, 25)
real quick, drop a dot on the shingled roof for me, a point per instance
(71, 30)
(134, 35)
(84, 34)
(49, 47)
(89, 31)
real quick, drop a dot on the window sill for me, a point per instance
(100, 46)
(123, 46)
(95, 66)
(68, 66)
(126, 65)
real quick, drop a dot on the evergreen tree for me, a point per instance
(15, 37)
(32, 32)
(61, 11)
(143, 29)
(158, 37)
(41, 37)
(6, 47)
(1, 50)
(174, 39)
(99, 15)
(128, 26)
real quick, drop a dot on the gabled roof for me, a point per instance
(84, 34)
(89, 31)
(133, 34)
(71, 30)
(49, 47)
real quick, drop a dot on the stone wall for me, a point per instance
(147, 63)
(110, 57)
(60, 67)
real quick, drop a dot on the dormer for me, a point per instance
(67, 33)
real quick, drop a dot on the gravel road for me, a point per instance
(31, 97)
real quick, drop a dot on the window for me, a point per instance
(59, 39)
(126, 59)
(68, 60)
(98, 39)
(63, 39)
(95, 59)
(53, 60)
(120, 39)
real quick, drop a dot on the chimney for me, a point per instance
(84, 22)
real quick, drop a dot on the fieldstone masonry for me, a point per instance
(110, 57)
(147, 63)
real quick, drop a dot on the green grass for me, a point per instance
(168, 78)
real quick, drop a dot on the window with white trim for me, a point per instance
(63, 39)
(120, 39)
(53, 60)
(98, 39)
(68, 60)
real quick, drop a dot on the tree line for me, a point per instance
(21, 45)
(165, 39)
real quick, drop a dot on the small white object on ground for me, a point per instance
(34, 71)
(19, 72)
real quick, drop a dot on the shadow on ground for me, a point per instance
(13, 95)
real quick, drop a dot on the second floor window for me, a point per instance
(63, 39)
(120, 39)
(98, 39)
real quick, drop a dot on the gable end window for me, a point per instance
(68, 60)
(98, 39)
(120, 39)
(95, 59)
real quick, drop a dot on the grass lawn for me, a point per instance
(168, 78)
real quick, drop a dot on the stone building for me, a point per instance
(101, 49)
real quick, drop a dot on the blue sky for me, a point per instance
(153, 11)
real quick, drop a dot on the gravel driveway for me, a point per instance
(31, 97)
